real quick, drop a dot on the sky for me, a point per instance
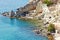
(7, 5)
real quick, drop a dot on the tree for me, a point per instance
(48, 2)
(51, 28)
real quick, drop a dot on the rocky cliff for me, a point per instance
(32, 5)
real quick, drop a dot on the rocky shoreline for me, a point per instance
(46, 12)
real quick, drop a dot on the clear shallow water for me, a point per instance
(14, 29)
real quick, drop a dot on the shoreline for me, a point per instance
(38, 29)
(36, 13)
(36, 23)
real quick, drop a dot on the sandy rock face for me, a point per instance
(52, 16)
(54, 1)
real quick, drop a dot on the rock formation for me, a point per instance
(30, 6)
(9, 14)
(33, 5)
(52, 16)
(22, 11)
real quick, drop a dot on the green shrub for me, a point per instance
(48, 2)
(51, 28)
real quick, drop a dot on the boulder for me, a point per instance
(28, 7)
(37, 31)
(11, 14)
(5, 13)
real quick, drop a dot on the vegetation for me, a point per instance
(48, 2)
(50, 36)
(51, 28)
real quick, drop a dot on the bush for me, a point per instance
(48, 2)
(51, 28)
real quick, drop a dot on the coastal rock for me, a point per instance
(51, 16)
(37, 31)
(5, 13)
(42, 32)
(50, 36)
(9, 14)
(12, 14)
(28, 7)
(22, 10)
(21, 14)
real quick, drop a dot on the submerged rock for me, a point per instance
(40, 31)
(37, 31)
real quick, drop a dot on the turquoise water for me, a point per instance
(14, 29)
